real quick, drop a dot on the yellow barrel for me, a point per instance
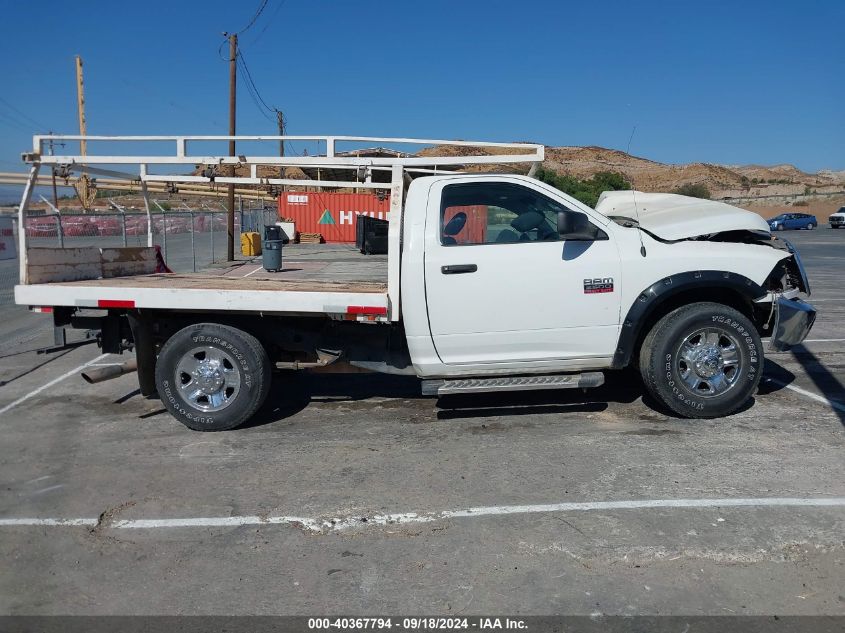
(250, 243)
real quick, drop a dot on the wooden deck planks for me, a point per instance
(217, 282)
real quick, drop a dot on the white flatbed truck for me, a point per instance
(495, 282)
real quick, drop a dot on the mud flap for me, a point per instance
(144, 352)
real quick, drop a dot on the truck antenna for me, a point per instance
(634, 196)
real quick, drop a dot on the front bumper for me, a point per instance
(793, 321)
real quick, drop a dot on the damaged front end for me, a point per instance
(674, 219)
(793, 318)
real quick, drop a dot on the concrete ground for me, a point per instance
(169, 521)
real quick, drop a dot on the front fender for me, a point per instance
(650, 299)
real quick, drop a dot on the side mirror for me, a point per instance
(576, 227)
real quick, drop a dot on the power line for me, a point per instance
(266, 111)
(258, 104)
(13, 123)
(252, 82)
(269, 22)
(255, 98)
(254, 18)
(25, 115)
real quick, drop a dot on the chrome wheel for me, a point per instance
(709, 362)
(208, 378)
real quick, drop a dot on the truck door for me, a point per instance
(503, 287)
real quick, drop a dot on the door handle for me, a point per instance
(457, 269)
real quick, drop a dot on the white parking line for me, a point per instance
(253, 272)
(806, 340)
(48, 522)
(808, 394)
(317, 524)
(35, 392)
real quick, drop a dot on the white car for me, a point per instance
(837, 219)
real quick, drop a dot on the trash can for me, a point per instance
(271, 251)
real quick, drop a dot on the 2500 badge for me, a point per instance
(598, 285)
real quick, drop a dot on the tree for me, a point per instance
(694, 191)
(586, 191)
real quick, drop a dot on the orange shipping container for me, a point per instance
(331, 214)
(475, 229)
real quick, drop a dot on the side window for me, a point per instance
(496, 213)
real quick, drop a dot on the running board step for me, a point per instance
(512, 383)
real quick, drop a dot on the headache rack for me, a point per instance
(370, 163)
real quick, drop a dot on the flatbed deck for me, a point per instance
(328, 285)
(199, 281)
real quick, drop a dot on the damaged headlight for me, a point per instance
(799, 268)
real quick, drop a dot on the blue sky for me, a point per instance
(728, 82)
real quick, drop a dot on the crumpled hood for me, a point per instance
(671, 217)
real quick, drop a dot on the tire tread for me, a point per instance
(649, 362)
(261, 375)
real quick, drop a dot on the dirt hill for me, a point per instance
(649, 175)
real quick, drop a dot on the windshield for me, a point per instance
(778, 217)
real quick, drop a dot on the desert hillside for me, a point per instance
(768, 190)
(649, 175)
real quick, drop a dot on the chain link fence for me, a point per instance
(190, 239)
(9, 274)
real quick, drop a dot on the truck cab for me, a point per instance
(491, 285)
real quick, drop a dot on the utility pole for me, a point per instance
(280, 119)
(233, 78)
(83, 145)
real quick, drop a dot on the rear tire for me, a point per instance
(811, 227)
(703, 360)
(212, 377)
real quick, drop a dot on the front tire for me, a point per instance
(702, 360)
(212, 377)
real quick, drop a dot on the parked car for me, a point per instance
(793, 221)
(837, 219)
